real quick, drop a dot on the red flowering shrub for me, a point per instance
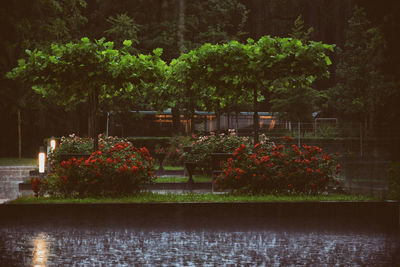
(202, 148)
(36, 185)
(118, 169)
(279, 169)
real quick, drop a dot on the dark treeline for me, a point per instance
(176, 26)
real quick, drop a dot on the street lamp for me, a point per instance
(53, 144)
(42, 161)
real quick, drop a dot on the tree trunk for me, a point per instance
(371, 123)
(176, 120)
(256, 124)
(237, 122)
(191, 122)
(181, 26)
(92, 123)
(19, 133)
(218, 115)
(228, 118)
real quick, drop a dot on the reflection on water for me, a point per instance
(40, 250)
(115, 246)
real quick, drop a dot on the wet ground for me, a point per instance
(116, 245)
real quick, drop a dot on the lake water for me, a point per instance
(86, 244)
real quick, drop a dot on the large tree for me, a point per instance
(362, 86)
(89, 72)
(28, 25)
(219, 73)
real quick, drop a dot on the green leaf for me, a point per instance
(158, 52)
(328, 61)
(85, 40)
(127, 43)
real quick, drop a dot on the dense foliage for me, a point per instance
(117, 168)
(222, 76)
(202, 148)
(363, 87)
(280, 169)
(179, 26)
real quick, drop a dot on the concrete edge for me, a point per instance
(383, 213)
(17, 167)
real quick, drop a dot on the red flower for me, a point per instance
(134, 169)
(239, 171)
(265, 158)
(123, 168)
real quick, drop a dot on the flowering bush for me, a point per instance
(204, 146)
(36, 185)
(279, 169)
(175, 150)
(117, 168)
(74, 144)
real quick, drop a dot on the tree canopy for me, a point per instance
(213, 75)
(90, 72)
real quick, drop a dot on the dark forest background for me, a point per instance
(176, 26)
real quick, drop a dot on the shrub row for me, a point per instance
(117, 168)
(269, 168)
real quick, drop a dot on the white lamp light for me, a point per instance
(53, 144)
(42, 159)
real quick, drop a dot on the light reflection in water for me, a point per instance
(41, 245)
(130, 246)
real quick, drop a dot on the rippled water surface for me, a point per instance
(128, 246)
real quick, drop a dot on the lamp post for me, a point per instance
(42, 161)
(53, 144)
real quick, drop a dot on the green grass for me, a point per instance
(18, 162)
(174, 179)
(198, 198)
(169, 168)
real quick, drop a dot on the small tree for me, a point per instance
(122, 27)
(298, 31)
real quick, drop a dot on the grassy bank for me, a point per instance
(173, 179)
(18, 162)
(169, 168)
(201, 198)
